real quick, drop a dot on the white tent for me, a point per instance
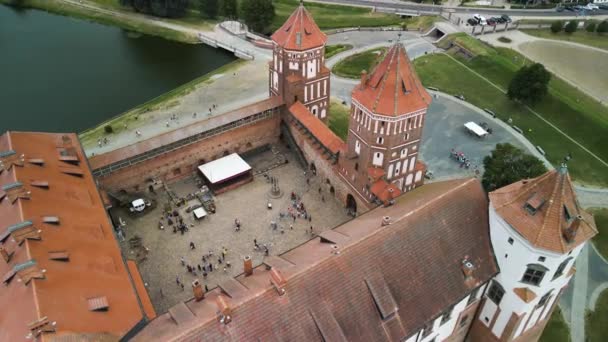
(224, 168)
(199, 213)
(475, 129)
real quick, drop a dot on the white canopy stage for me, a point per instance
(199, 213)
(226, 173)
(475, 129)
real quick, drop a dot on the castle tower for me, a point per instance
(385, 128)
(537, 229)
(297, 70)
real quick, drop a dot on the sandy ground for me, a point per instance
(582, 66)
(248, 204)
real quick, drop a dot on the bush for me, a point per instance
(557, 26)
(590, 27)
(108, 129)
(530, 84)
(571, 26)
(504, 40)
(602, 27)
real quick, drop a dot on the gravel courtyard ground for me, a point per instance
(248, 204)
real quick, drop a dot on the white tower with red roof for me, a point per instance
(297, 71)
(537, 229)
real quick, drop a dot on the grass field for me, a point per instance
(67, 9)
(567, 108)
(334, 16)
(556, 330)
(596, 328)
(581, 37)
(166, 100)
(352, 66)
(332, 50)
(338, 118)
(601, 239)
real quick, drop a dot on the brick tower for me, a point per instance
(385, 128)
(297, 70)
(537, 229)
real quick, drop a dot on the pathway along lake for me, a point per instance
(61, 74)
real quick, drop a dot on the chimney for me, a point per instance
(386, 220)
(569, 232)
(224, 310)
(467, 267)
(247, 265)
(5, 255)
(278, 281)
(197, 289)
(363, 79)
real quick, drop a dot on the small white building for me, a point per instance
(537, 229)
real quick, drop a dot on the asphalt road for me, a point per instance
(409, 6)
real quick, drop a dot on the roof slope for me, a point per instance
(407, 272)
(393, 88)
(95, 267)
(299, 32)
(555, 198)
(317, 128)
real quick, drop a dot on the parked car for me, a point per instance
(506, 18)
(500, 20)
(603, 6)
(592, 7)
(559, 9)
(472, 21)
(491, 22)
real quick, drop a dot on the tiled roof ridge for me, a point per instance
(558, 189)
(524, 189)
(397, 82)
(390, 54)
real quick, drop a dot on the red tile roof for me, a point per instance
(384, 191)
(375, 172)
(393, 88)
(551, 193)
(317, 128)
(70, 219)
(299, 32)
(408, 272)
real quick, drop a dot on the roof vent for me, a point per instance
(40, 184)
(224, 310)
(467, 267)
(335, 249)
(14, 191)
(278, 281)
(59, 256)
(5, 255)
(50, 219)
(386, 220)
(36, 161)
(24, 230)
(98, 304)
(10, 158)
(569, 233)
(40, 326)
(534, 203)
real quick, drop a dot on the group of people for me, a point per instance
(174, 219)
(207, 264)
(463, 160)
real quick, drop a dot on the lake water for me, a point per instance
(60, 74)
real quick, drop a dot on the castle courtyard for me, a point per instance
(248, 203)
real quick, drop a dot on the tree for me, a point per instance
(557, 26)
(209, 8)
(508, 164)
(602, 27)
(160, 8)
(571, 26)
(258, 14)
(591, 27)
(229, 9)
(529, 84)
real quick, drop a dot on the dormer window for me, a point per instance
(533, 204)
(567, 215)
(403, 88)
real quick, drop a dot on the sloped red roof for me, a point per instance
(375, 172)
(553, 194)
(299, 32)
(393, 88)
(408, 271)
(69, 216)
(317, 128)
(384, 191)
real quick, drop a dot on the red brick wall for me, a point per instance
(183, 162)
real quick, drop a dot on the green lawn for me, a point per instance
(556, 329)
(584, 120)
(352, 66)
(596, 328)
(338, 118)
(581, 37)
(333, 16)
(332, 50)
(601, 239)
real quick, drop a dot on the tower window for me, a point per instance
(356, 166)
(510, 241)
(447, 315)
(534, 274)
(380, 140)
(561, 268)
(542, 259)
(544, 299)
(496, 292)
